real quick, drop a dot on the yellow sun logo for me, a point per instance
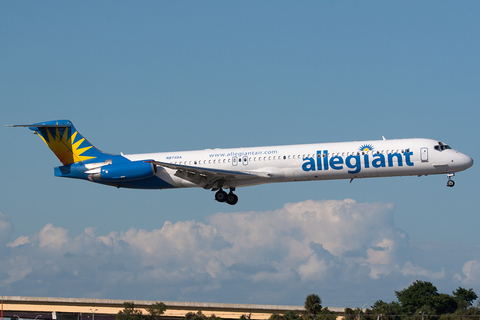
(66, 149)
(366, 147)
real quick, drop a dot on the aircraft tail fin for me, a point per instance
(65, 141)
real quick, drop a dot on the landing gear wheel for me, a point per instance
(450, 183)
(232, 198)
(221, 196)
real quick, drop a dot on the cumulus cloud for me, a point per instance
(278, 256)
(470, 273)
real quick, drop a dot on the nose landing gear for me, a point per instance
(450, 182)
(230, 198)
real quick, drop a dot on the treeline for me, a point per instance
(420, 301)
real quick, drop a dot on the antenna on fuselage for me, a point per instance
(384, 138)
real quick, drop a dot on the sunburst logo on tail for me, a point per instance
(64, 146)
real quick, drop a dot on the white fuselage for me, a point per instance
(323, 161)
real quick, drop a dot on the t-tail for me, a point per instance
(81, 160)
(66, 142)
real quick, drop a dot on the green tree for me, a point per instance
(353, 314)
(291, 315)
(155, 310)
(444, 303)
(368, 315)
(200, 316)
(426, 312)
(349, 314)
(313, 305)
(464, 298)
(195, 316)
(326, 314)
(387, 311)
(417, 295)
(129, 312)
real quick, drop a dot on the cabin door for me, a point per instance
(424, 154)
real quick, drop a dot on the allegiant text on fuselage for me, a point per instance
(354, 162)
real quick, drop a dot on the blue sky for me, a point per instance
(168, 76)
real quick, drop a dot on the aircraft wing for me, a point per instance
(207, 177)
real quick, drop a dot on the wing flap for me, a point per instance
(208, 177)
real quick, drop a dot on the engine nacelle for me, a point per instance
(127, 171)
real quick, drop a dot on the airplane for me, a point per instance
(219, 169)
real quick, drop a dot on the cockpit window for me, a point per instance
(441, 146)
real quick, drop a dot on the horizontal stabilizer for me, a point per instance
(38, 125)
(63, 139)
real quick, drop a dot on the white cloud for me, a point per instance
(275, 254)
(52, 237)
(19, 241)
(410, 270)
(315, 269)
(470, 273)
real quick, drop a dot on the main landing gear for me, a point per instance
(450, 182)
(230, 198)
